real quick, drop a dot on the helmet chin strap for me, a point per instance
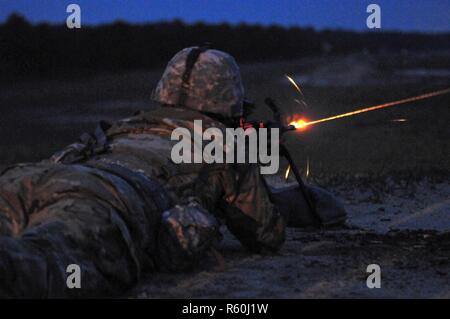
(190, 62)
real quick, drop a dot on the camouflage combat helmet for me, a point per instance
(204, 80)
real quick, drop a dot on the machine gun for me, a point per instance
(277, 123)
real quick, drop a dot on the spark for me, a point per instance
(303, 124)
(294, 84)
(286, 175)
(307, 167)
(399, 120)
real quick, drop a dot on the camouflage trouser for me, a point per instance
(52, 216)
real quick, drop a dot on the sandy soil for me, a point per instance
(401, 226)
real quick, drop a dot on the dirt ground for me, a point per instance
(393, 176)
(407, 236)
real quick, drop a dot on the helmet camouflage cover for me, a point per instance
(214, 85)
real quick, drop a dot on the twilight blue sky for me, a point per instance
(405, 15)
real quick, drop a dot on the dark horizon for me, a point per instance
(431, 16)
(214, 24)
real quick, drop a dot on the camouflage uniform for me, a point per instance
(115, 204)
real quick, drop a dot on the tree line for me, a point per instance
(48, 50)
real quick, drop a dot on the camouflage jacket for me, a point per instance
(234, 193)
